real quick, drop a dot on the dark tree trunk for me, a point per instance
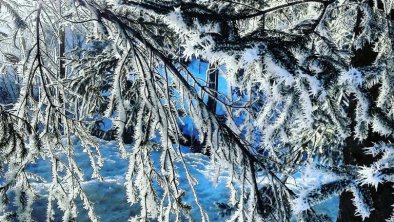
(62, 46)
(212, 80)
(353, 154)
(383, 197)
(213, 86)
(62, 72)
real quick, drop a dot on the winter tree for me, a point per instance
(310, 92)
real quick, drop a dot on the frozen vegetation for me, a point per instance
(176, 110)
(110, 201)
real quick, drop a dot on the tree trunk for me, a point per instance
(62, 46)
(213, 86)
(61, 73)
(212, 80)
(383, 197)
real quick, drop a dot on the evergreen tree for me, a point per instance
(311, 92)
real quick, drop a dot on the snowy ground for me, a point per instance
(109, 196)
(110, 199)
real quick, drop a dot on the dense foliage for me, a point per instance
(300, 90)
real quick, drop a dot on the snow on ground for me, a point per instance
(109, 196)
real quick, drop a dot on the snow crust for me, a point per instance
(109, 196)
